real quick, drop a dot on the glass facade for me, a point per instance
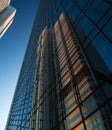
(65, 81)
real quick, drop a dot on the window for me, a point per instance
(83, 28)
(65, 91)
(107, 30)
(94, 9)
(104, 49)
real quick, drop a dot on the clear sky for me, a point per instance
(12, 49)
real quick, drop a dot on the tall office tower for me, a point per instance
(7, 14)
(65, 81)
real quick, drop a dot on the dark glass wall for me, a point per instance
(90, 22)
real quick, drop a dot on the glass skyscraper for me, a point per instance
(65, 81)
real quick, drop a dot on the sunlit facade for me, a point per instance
(65, 81)
(7, 14)
(4, 4)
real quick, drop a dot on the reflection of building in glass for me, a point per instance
(7, 14)
(65, 82)
(41, 82)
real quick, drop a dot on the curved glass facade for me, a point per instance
(67, 84)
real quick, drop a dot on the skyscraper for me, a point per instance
(7, 14)
(66, 78)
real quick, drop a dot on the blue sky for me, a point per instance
(12, 49)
